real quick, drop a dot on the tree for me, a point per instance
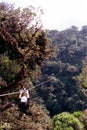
(67, 121)
(23, 44)
(82, 78)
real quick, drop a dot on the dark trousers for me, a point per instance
(24, 107)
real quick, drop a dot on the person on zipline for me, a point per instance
(23, 101)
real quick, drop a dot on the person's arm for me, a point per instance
(20, 93)
(27, 94)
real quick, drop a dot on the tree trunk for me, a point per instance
(3, 108)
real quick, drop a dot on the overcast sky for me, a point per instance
(58, 14)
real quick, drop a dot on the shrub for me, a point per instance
(67, 121)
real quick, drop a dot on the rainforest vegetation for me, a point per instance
(52, 64)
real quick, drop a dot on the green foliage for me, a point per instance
(8, 68)
(64, 93)
(66, 121)
(82, 78)
(23, 43)
(78, 114)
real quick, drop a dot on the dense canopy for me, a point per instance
(23, 44)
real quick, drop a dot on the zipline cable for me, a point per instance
(29, 89)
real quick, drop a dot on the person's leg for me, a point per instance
(20, 110)
(27, 112)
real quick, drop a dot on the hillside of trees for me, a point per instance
(64, 92)
(53, 61)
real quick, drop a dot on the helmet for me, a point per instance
(24, 99)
